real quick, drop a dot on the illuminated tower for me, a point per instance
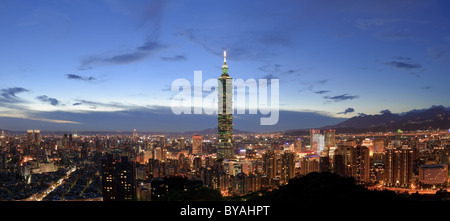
(225, 114)
(360, 164)
(37, 137)
(330, 140)
(405, 166)
(196, 144)
(30, 138)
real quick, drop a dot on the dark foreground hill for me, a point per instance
(325, 187)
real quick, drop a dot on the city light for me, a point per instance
(316, 103)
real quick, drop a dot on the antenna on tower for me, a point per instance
(225, 57)
(224, 66)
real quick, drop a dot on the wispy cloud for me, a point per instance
(149, 16)
(406, 63)
(78, 77)
(251, 45)
(342, 97)
(348, 110)
(175, 58)
(311, 84)
(365, 24)
(104, 105)
(9, 95)
(440, 53)
(46, 99)
(279, 70)
(53, 120)
(321, 92)
(134, 55)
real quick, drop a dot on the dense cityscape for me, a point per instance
(86, 167)
(147, 167)
(330, 108)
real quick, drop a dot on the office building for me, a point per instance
(360, 164)
(433, 175)
(317, 141)
(406, 166)
(298, 145)
(378, 145)
(287, 167)
(30, 138)
(270, 164)
(369, 144)
(225, 148)
(118, 179)
(308, 165)
(196, 144)
(37, 137)
(398, 166)
(391, 166)
(330, 140)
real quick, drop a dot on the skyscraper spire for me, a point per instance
(225, 66)
(225, 57)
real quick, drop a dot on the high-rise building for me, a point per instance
(30, 137)
(324, 164)
(162, 141)
(378, 145)
(344, 161)
(406, 166)
(159, 153)
(311, 135)
(349, 143)
(196, 144)
(225, 148)
(369, 144)
(287, 167)
(298, 145)
(70, 141)
(330, 140)
(391, 166)
(308, 165)
(338, 164)
(360, 164)
(181, 144)
(118, 179)
(37, 137)
(398, 166)
(239, 184)
(134, 138)
(270, 164)
(317, 141)
(197, 163)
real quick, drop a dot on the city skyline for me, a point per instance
(108, 65)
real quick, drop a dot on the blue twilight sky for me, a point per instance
(109, 64)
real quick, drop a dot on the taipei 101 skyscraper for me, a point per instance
(225, 113)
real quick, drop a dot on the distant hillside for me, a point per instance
(436, 117)
(432, 118)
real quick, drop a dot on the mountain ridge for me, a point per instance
(432, 118)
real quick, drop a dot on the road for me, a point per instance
(403, 190)
(41, 195)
